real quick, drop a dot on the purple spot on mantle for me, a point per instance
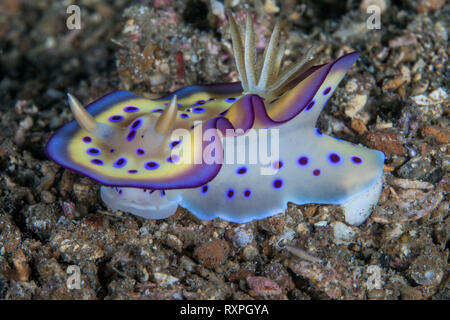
(98, 162)
(230, 193)
(131, 109)
(87, 139)
(131, 135)
(119, 163)
(278, 183)
(310, 105)
(326, 91)
(318, 132)
(204, 189)
(231, 100)
(316, 172)
(93, 151)
(116, 118)
(140, 151)
(199, 103)
(356, 160)
(303, 161)
(334, 158)
(247, 193)
(136, 124)
(151, 165)
(184, 115)
(198, 110)
(241, 170)
(132, 171)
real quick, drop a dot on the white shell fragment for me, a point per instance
(342, 233)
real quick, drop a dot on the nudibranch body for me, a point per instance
(237, 151)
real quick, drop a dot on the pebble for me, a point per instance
(250, 253)
(263, 286)
(73, 250)
(242, 237)
(429, 5)
(212, 254)
(393, 231)
(187, 264)
(440, 135)
(10, 236)
(381, 4)
(302, 229)
(386, 141)
(407, 205)
(355, 104)
(41, 219)
(330, 280)
(48, 197)
(427, 269)
(342, 233)
(165, 280)
(277, 272)
(271, 7)
(217, 8)
(358, 126)
(410, 293)
(82, 192)
(67, 180)
(421, 100)
(241, 274)
(410, 184)
(351, 85)
(21, 268)
(416, 168)
(392, 84)
(419, 87)
(273, 225)
(174, 242)
(404, 40)
(49, 171)
(438, 95)
(376, 294)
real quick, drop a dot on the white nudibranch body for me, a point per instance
(124, 142)
(149, 204)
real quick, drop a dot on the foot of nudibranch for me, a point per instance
(358, 208)
(149, 204)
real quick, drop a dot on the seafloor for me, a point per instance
(394, 99)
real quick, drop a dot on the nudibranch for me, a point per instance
(206, 147)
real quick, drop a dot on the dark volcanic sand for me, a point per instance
(393, 99)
